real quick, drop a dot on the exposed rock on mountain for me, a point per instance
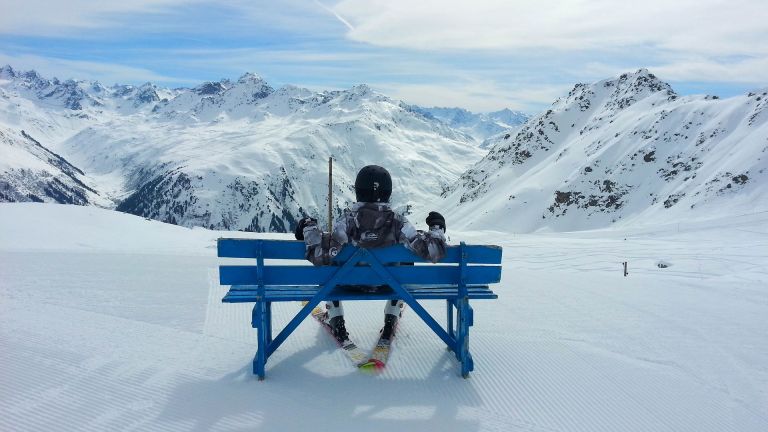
(624, 148)
(31, 172)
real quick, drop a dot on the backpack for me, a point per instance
(373, 227)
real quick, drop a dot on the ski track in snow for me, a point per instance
(117, 339)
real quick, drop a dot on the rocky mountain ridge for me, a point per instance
(621, 149)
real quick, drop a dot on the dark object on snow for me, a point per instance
(436, 218)
(373, 184)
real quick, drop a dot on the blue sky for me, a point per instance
(482, 55)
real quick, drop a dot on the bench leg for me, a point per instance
(465, 320)
(269, 322)
(260, 319)
(449, 319)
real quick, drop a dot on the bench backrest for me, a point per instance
(464, 264)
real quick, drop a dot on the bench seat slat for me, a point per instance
(476, 254)
(358, 296)
(297, 297)
(315, 288)
(301, 275)
(271, 249)
(291, 249)
(249, 293)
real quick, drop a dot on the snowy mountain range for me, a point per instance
(620, 150)
(245, 155)
(227, 154)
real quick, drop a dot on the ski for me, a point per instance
(354, 353)
(379, 356)
(380, 353)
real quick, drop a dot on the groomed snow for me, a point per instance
(113, 322)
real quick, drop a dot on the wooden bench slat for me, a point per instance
(309, 275)
(271, 249)
(239, 296)
(476, 254)
(276, 293)
(315, 288)
(309, 290)
(297, 297)
(292, 249)
(252, 296)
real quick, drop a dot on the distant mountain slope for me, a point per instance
(619, 149)
(235, 154)
(31, 172)
(479, 126)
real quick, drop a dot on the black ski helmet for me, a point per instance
(373, 184)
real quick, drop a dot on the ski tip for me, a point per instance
(372, 366)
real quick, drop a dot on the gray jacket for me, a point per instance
(372, 225)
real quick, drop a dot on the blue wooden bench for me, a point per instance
(463, 275)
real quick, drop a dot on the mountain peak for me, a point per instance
(359, 91)
(146, 93)
(641, 81)
(250, 77)
(7, 72)
(209, 88)
(617, 93)
(30, 75)
(360, 88)
(503, 111)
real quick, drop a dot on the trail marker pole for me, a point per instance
(330, 194)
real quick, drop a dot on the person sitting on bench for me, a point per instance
(370, 223)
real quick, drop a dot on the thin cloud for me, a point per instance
(749, 70)
(113, 19)
(52, 18)
(702, 26)
(746, 71)
(479, 96)
(338, 17)
(108, 73)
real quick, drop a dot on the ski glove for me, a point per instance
(305, 222)
(436, 218)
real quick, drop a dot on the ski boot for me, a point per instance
(338, 330)
(390, 323)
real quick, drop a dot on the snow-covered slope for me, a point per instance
(234, 154)
(31, 172)
(619, 150)
(112, 322)
(480, 126)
